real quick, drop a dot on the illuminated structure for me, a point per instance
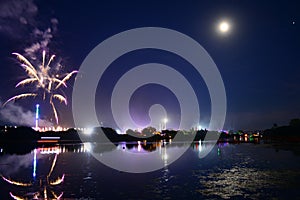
(165, 123)
(37, 116)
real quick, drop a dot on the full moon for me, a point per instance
(224, 27)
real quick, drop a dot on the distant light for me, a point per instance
(50, 138)
(199, 127)
(224, 27)
(48, 150)
(34, 163)
(200, 146)
(119, 131)
(87, 146)
(88, 131)
(139, 146)
(165, 120)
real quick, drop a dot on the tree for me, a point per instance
(130, 132)
(295, 122)
(149, 131)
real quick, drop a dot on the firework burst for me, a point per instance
(43, 77)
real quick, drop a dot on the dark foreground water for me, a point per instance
(230, 171)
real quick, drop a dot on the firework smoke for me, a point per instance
(17, 115)
(16, 17)
(42, 40)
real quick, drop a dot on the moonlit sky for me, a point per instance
(258, 57)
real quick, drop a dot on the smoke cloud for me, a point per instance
(41, 39)
(17, 115)
(16, 16)
(19, 21)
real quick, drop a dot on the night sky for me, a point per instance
(258, 59)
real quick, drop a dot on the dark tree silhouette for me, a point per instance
(295, 122)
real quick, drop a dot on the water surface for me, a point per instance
(230, 171)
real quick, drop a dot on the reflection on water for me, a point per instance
(43, 187)
(239, 171)
(250, 172)
(247, 183)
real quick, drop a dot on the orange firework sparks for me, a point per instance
(16, 182)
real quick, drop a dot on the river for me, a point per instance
(229, 171)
